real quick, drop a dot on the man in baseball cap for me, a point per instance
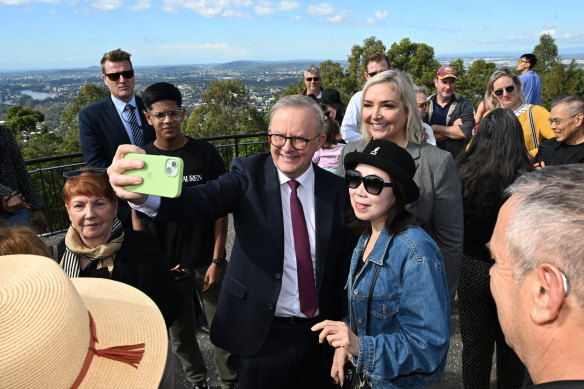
(450, 114)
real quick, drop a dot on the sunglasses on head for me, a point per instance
(373, 184)
(116, 76)
(309, 79)
(509, 89)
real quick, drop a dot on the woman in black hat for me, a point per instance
(397, 332)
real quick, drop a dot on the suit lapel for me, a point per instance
(324, 203)
(273, 202)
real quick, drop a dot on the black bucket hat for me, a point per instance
(392, 159)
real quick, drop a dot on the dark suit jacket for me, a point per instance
(101, 131)
(250, 290)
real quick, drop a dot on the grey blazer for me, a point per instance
(439, 208)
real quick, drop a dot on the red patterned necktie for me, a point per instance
(305, 271)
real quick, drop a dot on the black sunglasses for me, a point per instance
(372, 74)
(373, 184)
(77, 173)
(509, 89)
(116, 76)
(309, 79)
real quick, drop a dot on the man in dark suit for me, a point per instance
(115, 120)
(264, 315)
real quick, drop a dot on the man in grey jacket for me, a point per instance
(450, 115)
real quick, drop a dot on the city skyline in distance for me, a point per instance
(69, 34)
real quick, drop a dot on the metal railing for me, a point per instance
(47, 173)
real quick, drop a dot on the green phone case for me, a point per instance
(162, 175)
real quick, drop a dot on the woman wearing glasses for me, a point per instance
(504, 90)
(96, 244)
(389, 111)
(397, 332)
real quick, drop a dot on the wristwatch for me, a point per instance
(219, 261)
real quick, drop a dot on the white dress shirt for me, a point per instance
(350, 127)
(120, 105)
(289, 299)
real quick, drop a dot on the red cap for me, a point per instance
(446, 71)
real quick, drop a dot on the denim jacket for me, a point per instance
(410, 311)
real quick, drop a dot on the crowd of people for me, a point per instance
(354, 237)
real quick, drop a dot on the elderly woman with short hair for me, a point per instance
(96, 245)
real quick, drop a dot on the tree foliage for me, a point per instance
(226, 109)
(472, 84)
(355, 77)
(88, 94)
(546, 53)
(23, 120)
(415, 58)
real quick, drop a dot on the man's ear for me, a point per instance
(548, 293)
(320, 141)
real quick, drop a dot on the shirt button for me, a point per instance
(270, 306)
(356, 292)
(278, 276)
(359, 320)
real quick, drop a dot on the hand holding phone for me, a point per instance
(161, 175)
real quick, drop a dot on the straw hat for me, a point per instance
(45, 331)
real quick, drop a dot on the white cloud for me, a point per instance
(381, 15)
(211, 8)
(551, 32)
(266, 7)
(14, 2)
(338, 18)
(322, 9)
(370, 21)
(221, 48)
(575, 35)
(107, 5)
(140, 5)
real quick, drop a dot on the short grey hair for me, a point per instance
(312, 69)
(547, 224)
(420, 89)
(574, 104)
(300, 101)
(402, 83)
(491, 100)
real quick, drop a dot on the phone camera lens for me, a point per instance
(173, 163)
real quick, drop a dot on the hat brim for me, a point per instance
(411, 189)
(447, 76)
(123, 315)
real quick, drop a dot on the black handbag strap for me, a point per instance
(369, 299)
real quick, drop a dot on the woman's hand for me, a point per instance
(338, 367)
(338, 335)
(117, 178)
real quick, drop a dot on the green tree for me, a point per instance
(355, 77)
(415, 58)
(69, 130)
(226, 109)
(561, 80)
(546, 53)
(88, 94)
(23, 120)
(333, 76)
(473, 83)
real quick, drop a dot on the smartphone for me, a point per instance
(161, 175)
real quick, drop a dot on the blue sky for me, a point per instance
(75, 33)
